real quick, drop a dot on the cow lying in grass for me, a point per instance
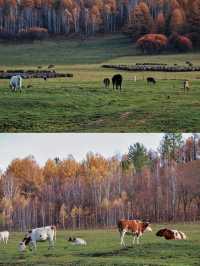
(135, 228)
(38, 235)
(4, 236)
(77, 241)
(170, 234)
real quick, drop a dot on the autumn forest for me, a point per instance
(159, 186)
(168, 18)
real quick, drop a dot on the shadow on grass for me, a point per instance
(116, 252)
(136, 250)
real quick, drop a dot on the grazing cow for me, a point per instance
(170, 234)
(16, 83)
(151, 80)
(117, 82)
(69, 75)
(4, 236)
(51, 66)
(106, 82)
(186, 85)
(135, 228)
(38, 235)
(29, 86)
(77, 241)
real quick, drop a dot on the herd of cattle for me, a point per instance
(117, 80)
(136, 228)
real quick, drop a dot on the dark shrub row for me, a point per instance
(35, 33)
(159, 68)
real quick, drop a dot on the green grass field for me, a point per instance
(82, 104)
(103, 249)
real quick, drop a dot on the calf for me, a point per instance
(170, 234)
(151, 80)
(38, 235)
(135, 228)
(106, 82)
(77, 241)
(4, 236)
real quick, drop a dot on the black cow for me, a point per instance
(117, 82)
(106, 82)
(151, 80)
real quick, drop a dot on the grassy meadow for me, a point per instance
(104, 249)
(82, 104)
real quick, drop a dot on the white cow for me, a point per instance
(4, 236)
(16, 83)
(38, 235)
(186, 85)
(77, 241)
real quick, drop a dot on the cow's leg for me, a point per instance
(34, 245)
(51, 243)
(122, 238)
(138, 239)
(134, 237)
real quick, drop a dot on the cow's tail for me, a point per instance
(54, 229)
(119, 226)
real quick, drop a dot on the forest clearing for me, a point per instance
(104, 249)
(82, 103)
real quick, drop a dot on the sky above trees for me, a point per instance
(45, 146)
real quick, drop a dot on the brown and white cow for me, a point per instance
(170, 234)
(136, 228)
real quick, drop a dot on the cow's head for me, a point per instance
(147, 227)
(72, 239)
(24, 243)
(162, 232)
(22, 246)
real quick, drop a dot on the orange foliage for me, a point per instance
(152, 43)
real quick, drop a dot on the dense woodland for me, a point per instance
(159, 186)
(87, 17)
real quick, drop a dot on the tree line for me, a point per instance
(159, 186)
(88, 17)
